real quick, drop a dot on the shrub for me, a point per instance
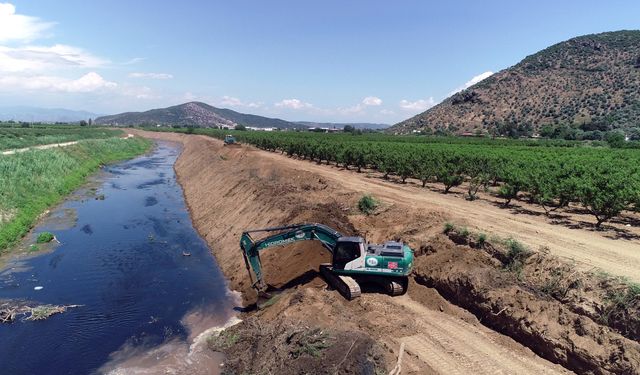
(516, 256)
(464, 232)
(448, 227)
(367, 204)
(45, 237)
(482, 239)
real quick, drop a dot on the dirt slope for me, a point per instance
(232, 189)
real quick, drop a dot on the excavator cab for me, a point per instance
(346, 251)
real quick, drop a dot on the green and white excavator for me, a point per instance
(353, 261)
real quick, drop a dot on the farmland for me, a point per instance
(34, 180)
(603, 181)
(13, 137)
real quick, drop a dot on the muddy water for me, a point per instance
(147, 283)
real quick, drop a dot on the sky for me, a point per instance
(329, 60)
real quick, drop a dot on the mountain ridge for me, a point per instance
(590, 81)
(196, 114)
(46, 115)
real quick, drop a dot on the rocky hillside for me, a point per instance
(193, 114)
(591, 82)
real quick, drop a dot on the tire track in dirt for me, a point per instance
(452, 346)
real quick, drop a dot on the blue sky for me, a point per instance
(364, 61)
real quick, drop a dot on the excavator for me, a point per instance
(230, 140)
(354, 261)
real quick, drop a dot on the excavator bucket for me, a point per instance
(266, 299)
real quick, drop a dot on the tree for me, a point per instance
(615, 139)
(424, 167)
(514, 180)
(547, 131)
(83, 123)
(606, 191)
(449, 171)
(477, 169)
(90, 121)
(240, 127)
(348, 129)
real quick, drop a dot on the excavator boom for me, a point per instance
(285, 235)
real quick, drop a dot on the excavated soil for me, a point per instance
(464, 312)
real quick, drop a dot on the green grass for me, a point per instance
(17, 137)
(222, 341)
(45, 237)
(35, 180)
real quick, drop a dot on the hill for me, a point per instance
(590, 82)
(47, 115)
(341, 125)
(193, 114)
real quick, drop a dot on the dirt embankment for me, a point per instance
(312, 329)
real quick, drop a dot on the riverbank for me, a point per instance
(35, 180)
(232, 189)
(140, 304)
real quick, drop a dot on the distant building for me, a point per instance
(324, 130)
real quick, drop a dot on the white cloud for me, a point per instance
(235, 102)
(87, 83)
(150, 75)
(472, 82)
(351, 110)
(39, 58)
(387, 112)
(138, 92)
(369, 101)
(293, 104)
(189, 96)
(418, 105)
(372, 101)
(134, 60)
(17, 27)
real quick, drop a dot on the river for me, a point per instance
(147, 283)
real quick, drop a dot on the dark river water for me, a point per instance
(124, 259)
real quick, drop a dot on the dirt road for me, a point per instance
(47, 146)
(590, 250)
(40, 147)
(449, 345)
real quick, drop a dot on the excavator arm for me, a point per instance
(284, 235)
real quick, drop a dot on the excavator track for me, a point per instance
(394, 288)
(347, 286)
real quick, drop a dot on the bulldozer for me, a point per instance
(353, 261)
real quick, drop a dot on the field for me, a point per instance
(15, 137)
(470, 301)
(34, 180)
(555, 175)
